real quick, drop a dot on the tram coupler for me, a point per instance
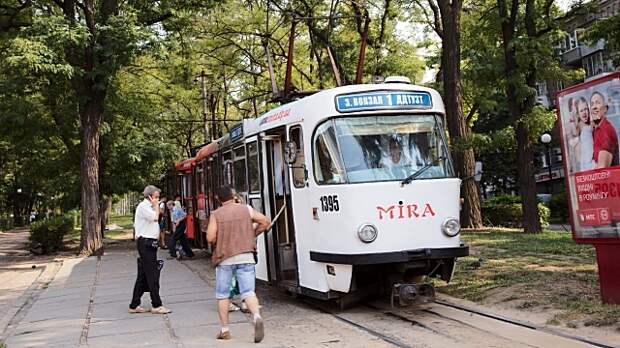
(407, 294)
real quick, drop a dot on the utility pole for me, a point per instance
(203, 95)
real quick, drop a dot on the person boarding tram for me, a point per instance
(233, 235)
(179, 220)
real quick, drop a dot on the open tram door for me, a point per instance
(277, 203)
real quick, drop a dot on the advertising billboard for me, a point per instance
(589, 115)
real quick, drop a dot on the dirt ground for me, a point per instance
(547, 280)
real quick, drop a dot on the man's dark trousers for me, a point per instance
(179, 235)
(148, 274)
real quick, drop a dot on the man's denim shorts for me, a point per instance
(246, 279)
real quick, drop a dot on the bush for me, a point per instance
(559, 207)
(46, 236)
(505, 210)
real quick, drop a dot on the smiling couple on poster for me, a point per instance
(592, 136)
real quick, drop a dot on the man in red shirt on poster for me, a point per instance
(605, 137)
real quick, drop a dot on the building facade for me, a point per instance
(595, 61)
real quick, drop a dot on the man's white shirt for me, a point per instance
(145, 222)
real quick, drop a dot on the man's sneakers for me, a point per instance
(137, 310)
(232, 307)
(223, 335)
(160, 310)
(259, 329)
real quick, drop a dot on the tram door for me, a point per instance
(277, 196)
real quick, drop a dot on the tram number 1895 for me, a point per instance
(330, 203)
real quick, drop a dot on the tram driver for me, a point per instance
(396, 163)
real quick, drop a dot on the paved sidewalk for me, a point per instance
(86, 305)
(14, 243)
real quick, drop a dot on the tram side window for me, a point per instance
(328, 166)
(227, 169)
(214, 181)
(299, 177)
(239, 169)
(253, 173)
(200, 178)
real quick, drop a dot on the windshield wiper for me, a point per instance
(419, 172)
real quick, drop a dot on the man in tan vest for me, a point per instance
(232, 232)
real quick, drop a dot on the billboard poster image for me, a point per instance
(590, 125)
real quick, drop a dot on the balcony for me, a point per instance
(572, 56)
(588, 50)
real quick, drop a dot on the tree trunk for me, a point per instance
(105, 210)
(518, 108)
(457, 126)
(527, 183)
(91, 242)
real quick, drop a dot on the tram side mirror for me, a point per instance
(290, 152)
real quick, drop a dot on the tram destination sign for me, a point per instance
(383, 101)
(236, 132)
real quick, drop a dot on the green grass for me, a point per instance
(534, 272)
(125, 221)
(114, 234)
(74, 235)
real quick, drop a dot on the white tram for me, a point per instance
(359, 181)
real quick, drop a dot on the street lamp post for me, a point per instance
(546, 140)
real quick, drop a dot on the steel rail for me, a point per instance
(372, 332)
(520, 323)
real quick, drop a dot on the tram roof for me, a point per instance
(323, 105)
(206, 151)
(186, 164)
(318, 106)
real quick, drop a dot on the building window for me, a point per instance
(593, 64)
(541, 89)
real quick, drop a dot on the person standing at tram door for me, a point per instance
(162, 221)
(231, 231)
(169, 225)
(179, 220)
(147, 232)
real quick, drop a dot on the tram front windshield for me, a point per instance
(379, 148)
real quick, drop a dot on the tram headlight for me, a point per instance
(367, 233)
(451, 227)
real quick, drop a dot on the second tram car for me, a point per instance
(360, 184)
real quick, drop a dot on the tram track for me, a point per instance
(323, 307)
(467, 319)
(441, 323)
(517, 323)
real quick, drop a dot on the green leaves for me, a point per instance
(609, 30)
(538, 121)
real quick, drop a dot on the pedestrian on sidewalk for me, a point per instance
(234, 237)
(147, 232)
(169, 224)
(179, 219)
(163, 217)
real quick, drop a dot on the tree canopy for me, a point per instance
(102, 97)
